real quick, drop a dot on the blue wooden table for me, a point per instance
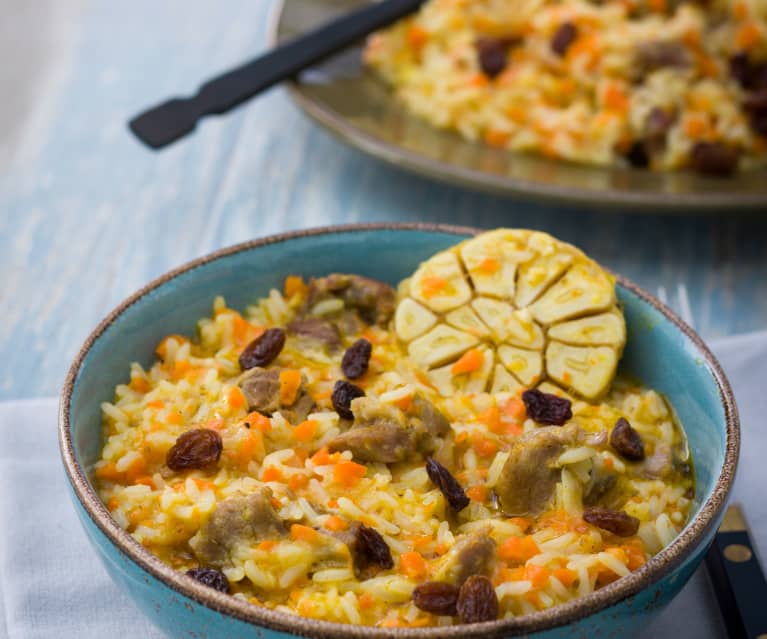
(87, 215)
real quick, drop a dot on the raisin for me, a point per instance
(637, 155)
(372, 549)
(492, 54)
(210, 577)
(343, 394)
(451, 489)
(740, 69)
(196, 448)
(615, 521)
(714, 158)
(436, 597)
(755, 105)
(354, 363)
(626, 441)
(563, 38)
(477, 600)
(546, 408)
(264, 349)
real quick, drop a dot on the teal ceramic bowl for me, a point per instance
(662, 352)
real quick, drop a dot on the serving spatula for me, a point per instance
(176, 117)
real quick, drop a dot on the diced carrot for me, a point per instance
(174, 417)
(306, 430)
(566, 576)
(290, 381)
(517, 113)
(707, 65)
(634, 554)
(740, 10)
(431, 286)
(365, 601)
(618, 553)
(297, 481)
(348, 473)
(420, 541)
(477, 493)
(299, 532)
(748, 36)
(691, 38)
(515, 408)
(697, 126)
(489, 265)
(266, 545)
(658, 6)
(469, 362)
(461, 437)
(156, 403)
(538, 575)
(215, 423)
(112, 504)
(533, 597)
(145, 480)
(492, 419)
(139, 384)
(494, 137)
(518, 549)
(417, 36)
(203, 484)
(109, 472)
(512, 574)
(135, 469)
(412, 565)
(252, 447)
(483, 446)
(441, 549)
(335, 523)
(162, 347)
(322, 457)
(615, 98)
(271, 474)
(333, 503)
(478, 80)
(609, 463)
(180, 368)
(258, 421)
(521, 522)
(294, 285)
(236, 398)
(405, 404)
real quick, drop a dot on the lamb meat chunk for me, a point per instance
(472, 554)
(655, 55)
(383, 442)
(428, 424)
(239, 521)
(316, 329)
(261, 388)
(373, 300)
(528, 478)
(379, 433)
(300, 409)
(433, 421)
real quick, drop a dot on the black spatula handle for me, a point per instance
(173, 119)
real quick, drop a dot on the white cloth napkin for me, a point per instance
(53, 586)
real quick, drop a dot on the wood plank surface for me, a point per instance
(87, 215)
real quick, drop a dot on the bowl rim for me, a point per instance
(624, 588)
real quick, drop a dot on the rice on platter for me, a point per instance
(647, 83)
(453, 451)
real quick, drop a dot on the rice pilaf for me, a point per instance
(310, 489)
(655, 83)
